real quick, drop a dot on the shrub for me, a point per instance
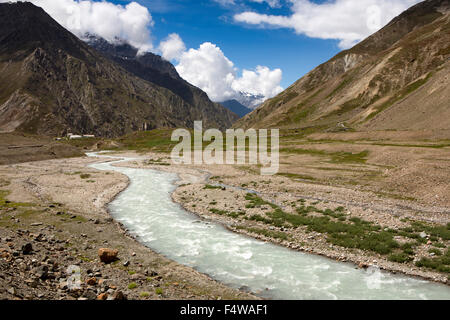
(132, 285)
(441, 263)
(435, 251)
(400, 258)
(209, 186)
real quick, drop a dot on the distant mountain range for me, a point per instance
(53, 83)
(236, 107)
(155, 69)
(396, 79)
(249, 100)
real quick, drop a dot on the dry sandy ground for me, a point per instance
(16, 147)
(67, 200)
(388, 212)
(70, 198)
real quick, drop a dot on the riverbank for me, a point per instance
(68, 201)
(53, 216)
(221, 194)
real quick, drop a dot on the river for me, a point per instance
(146, 209)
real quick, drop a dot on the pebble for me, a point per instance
(102, 296)
(27, 248)
(36, 224)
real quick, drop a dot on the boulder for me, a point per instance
(107, 255)
(118, 295)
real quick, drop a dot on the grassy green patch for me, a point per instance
(438, 231)
(219, 212)
(437, 252)
(132, 285)
(399, 257)
(256, 201)
(156, 140)
(441, 263)
(357, 233)
(209, 186)
(349, 157)
(157, 162)
(234, 215)
(336, 157)
(4, 203)
(354, 233)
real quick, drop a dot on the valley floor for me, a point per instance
(58, 207)
(378, 202)
(381, 202)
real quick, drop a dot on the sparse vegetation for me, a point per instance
(256, 201)
(440, 263)
(157, 162)
(132, 285)
(11, 204)
(399, 257)
(435, 251)
(335, 157)
(209, 186)
(400, 95)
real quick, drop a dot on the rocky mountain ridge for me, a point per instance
(53, 83)
(396, 79)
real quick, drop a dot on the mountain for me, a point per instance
(155, 69)
(396, 79)
(249, 100)
(236, 107)
(123, 52)
(54, 83)
(152, 68)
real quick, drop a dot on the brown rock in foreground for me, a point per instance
(107, 255)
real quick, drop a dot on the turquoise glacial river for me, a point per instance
(270, 271)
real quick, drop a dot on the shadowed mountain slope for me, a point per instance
(236, 107)
(53, 83)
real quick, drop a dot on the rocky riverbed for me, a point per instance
(53, 221)
(220, 193)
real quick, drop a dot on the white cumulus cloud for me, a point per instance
(348, 21)
(108, 20)
(261, 81)
(209, 69)
(172, 48)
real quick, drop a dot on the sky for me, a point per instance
(231, 46)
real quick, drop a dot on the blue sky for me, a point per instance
(227, 47)
(246, 46)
